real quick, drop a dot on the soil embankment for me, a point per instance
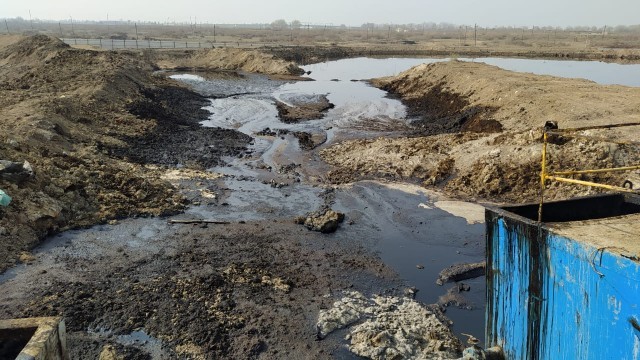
(478, 131)
(88, 123)
(251, 61)
(314, 54)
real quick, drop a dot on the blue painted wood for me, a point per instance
(550, 297)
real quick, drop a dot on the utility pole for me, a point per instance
(30, 20)
(604, 31)
(389, 33)
(60, 26)
(72, 31)
(7, 25)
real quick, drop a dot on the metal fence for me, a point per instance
(114, 44)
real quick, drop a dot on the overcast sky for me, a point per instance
(349, 12)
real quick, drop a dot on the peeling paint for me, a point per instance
(551, 297)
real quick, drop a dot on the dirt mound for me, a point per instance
(520, 101)
(480, 163)
(37, 47)
(229, 59)
(313, 54)
(303, 109)
(77, 117)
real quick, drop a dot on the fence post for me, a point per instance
(136, 25)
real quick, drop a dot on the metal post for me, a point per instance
(543, 174)
(136, 26)
(475, 34)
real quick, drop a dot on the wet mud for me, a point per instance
(244, 280)
(443, 112)
(178, 138)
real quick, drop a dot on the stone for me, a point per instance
(27, 257)
(109, 353)
(324, 223)
(15, 172)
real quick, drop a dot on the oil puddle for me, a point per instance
(139, 339)
(419, 241)
(402, 223)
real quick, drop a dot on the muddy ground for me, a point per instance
(250, 290)
(477, 133)
(119, 140)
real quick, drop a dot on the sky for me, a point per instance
(487, 13)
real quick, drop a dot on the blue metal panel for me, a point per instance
(550, 297)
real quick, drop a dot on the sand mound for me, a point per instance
(497, 163)
(232, 59)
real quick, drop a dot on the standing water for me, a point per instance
(414, 231)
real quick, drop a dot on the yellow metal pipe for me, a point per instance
(595, 171)
(595, 138)
(592, 184)
(559, 131)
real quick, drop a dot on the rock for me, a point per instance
(27, 257)
(15, 172)
(460, 272)
(420, 267)
(109, 353)
(411, 292)
(325, 223)
(477, 353)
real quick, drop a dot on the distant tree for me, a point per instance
(296, 24)
(279, 24)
